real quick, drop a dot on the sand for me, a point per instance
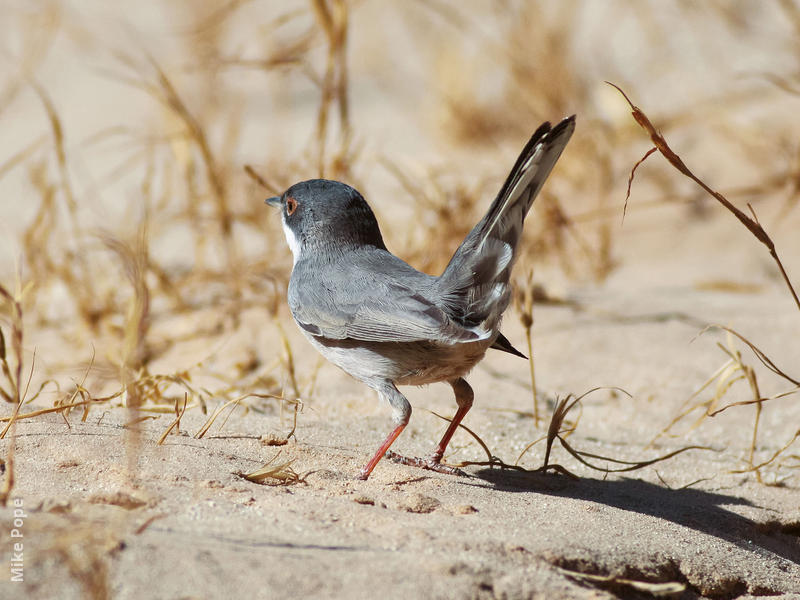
(102, 510)
(184, 523)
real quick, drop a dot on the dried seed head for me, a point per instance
(524, 293)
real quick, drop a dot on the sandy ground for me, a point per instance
(186, 524)
(104, 511)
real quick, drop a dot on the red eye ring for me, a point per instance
(291, 206)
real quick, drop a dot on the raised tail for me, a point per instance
(475, 281)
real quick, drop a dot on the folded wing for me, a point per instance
(357, 301)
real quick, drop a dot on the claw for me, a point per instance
(431, 464)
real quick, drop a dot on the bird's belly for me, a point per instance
(443, 363)
(404, 363)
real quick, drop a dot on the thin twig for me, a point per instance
(752, 224)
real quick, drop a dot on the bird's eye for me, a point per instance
(291, 205)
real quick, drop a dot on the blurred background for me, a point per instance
(143, 255)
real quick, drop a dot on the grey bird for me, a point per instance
(387, 324)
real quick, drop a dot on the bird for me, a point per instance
(387, 324)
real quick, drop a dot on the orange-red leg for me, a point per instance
(365, 472)
(401, 410)
(464, 397)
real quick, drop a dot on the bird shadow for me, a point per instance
(695, 509)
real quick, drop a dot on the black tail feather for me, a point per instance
(475, 283)
(502, 343)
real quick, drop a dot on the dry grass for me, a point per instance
(445, 209)
(12, 361)
(81, 545)
(524, 297)
(535, 78)
(750, 222)
(559, 429)
(732, 371)
(734, 368)
(622, 585)
(146, 240)
(189, 183)
(182, 253)
(275, 474)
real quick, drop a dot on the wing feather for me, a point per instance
(354, 300)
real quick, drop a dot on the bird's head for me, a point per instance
(324, 216)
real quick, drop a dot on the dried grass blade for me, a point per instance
(668, 588)
(207, 425)
(491, 457)
(62, 408)
(282, 473)
(751, 224)
(272, 188)
(177, 421)
(633, 465)
(755, 401)
(760, 355)
(630, 180)
(752, 467)
(8, 481)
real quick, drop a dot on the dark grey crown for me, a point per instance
(330, 214)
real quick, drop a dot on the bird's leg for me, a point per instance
(384, 449)
(401, 410)
(464, 397)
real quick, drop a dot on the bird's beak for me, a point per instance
(275, 201)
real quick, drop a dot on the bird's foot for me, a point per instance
(431, 464)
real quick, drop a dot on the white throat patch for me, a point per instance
(291, 240)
